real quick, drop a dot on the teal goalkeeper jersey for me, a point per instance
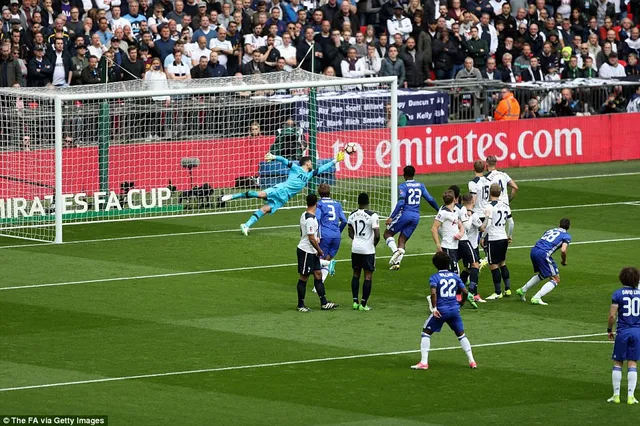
(298, 177)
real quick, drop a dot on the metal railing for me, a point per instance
(476, 100)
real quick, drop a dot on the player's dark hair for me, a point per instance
(441, 260)
(363, 199)
(456, 192)
(495, 190)
(304, 160)
(312, 200)
(478, 166)
(565, 223)
(448, 197)
(492, 160)
(409, 172)
(629, 277)
(467, 198)
(324, 190)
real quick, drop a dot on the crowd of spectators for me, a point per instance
(74, 42)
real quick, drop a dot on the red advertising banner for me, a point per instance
(431, 149)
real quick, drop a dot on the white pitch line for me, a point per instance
(250, 268)
(261, 228)
(606, 342)
(579, 177)
(280, 364)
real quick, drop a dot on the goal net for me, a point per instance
(162, 148)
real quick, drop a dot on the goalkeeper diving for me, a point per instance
(278, 195)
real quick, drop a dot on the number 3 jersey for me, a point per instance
(447, 285)
(497, 213)
(363, 223)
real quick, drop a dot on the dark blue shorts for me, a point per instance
(452, 318)
(330, 246)
(627, 346)
(543, 264)
(405, 224)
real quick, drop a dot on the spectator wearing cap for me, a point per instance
(78, 63)
(157, 19)
(134, 17)
(61, 61)
(201, 70)
(399, 24)
(39, 69)
(18, 13)
(612, 68)
(201, 12)
(118, 52)
(214, 66)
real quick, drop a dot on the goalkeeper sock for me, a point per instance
(256, 216)
(632, 379)
(302, 289)
(466, 347)
(616, 378)
(533, 281)
(546, 289)
(247, 194)
(391, 243)
(425, 345)
(366, 291)
(355, 287)
(325, 273)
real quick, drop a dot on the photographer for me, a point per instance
(566, 106)
(615, 102)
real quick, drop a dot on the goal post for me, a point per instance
(157, 149)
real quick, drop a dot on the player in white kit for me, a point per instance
(498, 237)
(468, 246)
(309, 253)
(449, 222)
(494, 175)
(479, 189)
(364, 230)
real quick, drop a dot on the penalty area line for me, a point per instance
(282, 364)
(250, 268)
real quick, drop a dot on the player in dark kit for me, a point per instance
(625, 304)
(445, 309)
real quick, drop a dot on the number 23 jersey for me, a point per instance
(363, 223)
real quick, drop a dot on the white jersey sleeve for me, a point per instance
(497, 214)
(308, 226)
(449, 228)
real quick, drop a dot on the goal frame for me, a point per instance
(102, 93)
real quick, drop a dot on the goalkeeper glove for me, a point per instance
(471, 301)
(269, 156)
(339, 156)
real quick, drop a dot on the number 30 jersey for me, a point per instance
(447, 285)
(628, 301)
(498, 213)
(363, 223)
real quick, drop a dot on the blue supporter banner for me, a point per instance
(366, 109)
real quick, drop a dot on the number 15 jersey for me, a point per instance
(363, 223)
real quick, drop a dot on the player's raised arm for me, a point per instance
(320, 170)
(429, 199)
(271, 157)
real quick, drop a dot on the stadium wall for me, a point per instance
(431, 149)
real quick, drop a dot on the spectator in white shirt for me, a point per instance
(351, 66)
(221, 45)
(399, 24)
(177, 70)
(612, 68)
(157, 18)
(96, 48)
(288, 52)
(116, 20)
(199, 50)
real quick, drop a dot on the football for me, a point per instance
(350, 148)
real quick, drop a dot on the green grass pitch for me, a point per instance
(196, 302)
